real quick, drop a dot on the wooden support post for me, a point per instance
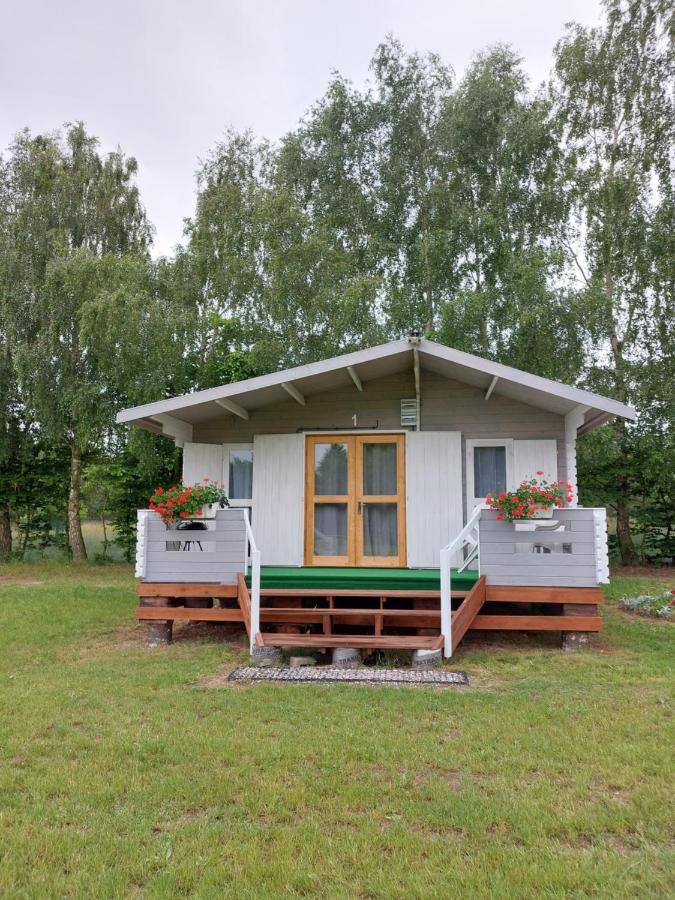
(576, 640)
(378, 619)
(160, 631)
(327, 620)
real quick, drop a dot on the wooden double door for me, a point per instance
(355, 500)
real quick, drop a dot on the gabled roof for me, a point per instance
(363, 366)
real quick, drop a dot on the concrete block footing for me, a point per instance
(575, 640)
(346, 657)
(295, 662)
(426, 659)
(262, 655)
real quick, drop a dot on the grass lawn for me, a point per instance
(124, 772)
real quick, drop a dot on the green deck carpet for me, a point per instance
(360, 578)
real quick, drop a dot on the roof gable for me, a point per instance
(362, 366)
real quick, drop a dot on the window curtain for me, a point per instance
(241, 475)
(380, 532)
(489, 470)
(379, 469)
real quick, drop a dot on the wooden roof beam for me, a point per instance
(354, 375)
(493, 384)
(293, 392)
(233, 407)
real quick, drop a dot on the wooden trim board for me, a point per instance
(528, 594)
(183, 589)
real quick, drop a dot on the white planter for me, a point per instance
(209, 510)
(542, 512)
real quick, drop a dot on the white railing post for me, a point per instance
(446, 603)
(255, 596)
(254, 557)
(470, 535)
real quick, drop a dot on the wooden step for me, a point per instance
(300, 612)
(382, 642)
(350, 592)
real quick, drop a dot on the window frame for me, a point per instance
(236, 502)
(471, 443)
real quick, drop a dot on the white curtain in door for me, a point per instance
(380, 529)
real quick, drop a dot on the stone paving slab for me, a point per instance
(335, 674)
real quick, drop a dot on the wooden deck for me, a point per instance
(366, 618)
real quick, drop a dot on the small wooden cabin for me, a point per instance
(360, 478)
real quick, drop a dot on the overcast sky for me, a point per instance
(163, 79)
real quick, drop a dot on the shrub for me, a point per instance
(655, 605)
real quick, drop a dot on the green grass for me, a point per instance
(125, 772)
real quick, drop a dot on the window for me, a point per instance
(239, 475)
(489, 470)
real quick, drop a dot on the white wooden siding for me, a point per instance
(433, 494)
(531, 456)
(573, 556)
(279, 498)
(202, 460)
(216, 554)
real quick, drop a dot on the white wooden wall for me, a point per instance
(279, 498)
(202, 460)
(531, 456)
(433, 494)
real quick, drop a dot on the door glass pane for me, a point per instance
(330, 529)
(489, 470)
(241, 475)
(379, 469)
(330, 469)
(380, 530)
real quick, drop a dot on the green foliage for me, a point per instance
(125, 478)
(534, 227)
(34, 484)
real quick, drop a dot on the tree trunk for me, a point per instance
(5, 533)
(623, 533)
(75, 538)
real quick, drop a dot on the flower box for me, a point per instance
(533, 499)
(184, 502)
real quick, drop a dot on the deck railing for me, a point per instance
(569, 550)
(468, 537)
(253, 558)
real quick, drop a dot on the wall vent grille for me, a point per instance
(409, 413)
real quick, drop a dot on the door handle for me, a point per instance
(358, 507)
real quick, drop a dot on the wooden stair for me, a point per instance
(375, 618)
(382, 642)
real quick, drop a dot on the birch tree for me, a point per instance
(614, 90)
(68, 207)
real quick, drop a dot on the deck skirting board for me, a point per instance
(536, 623)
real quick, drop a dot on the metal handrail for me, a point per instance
(468, 535)
(254, 558)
